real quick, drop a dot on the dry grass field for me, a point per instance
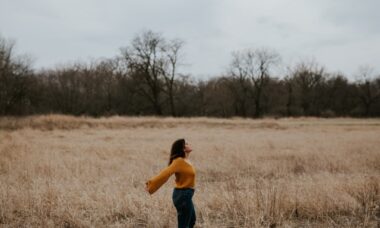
(82, 172)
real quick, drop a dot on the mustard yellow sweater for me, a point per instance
(184, 176)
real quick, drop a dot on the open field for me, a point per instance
(82, 172)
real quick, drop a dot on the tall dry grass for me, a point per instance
(83, 172)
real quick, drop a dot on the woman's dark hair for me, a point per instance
(177, 150)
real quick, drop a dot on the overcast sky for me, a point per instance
(339, 34)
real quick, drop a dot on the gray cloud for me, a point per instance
(342, 35)
(359, 16)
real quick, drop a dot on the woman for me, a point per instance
(183, 192)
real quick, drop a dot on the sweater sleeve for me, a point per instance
(156, 182)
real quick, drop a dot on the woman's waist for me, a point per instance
(184, 189)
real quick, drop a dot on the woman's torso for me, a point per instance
(185, 175)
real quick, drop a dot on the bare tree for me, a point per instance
(105, 71)
(172, 51)
(14, 76)
(288, 82)
(368, 89)
(239, 84)
(308, 78)
(255, 65)
(145, 61)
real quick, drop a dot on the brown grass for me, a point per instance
(83, 172)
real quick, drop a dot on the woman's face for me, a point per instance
(187, 148)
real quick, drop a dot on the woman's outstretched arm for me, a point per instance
(153, 184)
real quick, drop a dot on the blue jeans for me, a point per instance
(182, 199)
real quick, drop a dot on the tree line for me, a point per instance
(145, 79)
